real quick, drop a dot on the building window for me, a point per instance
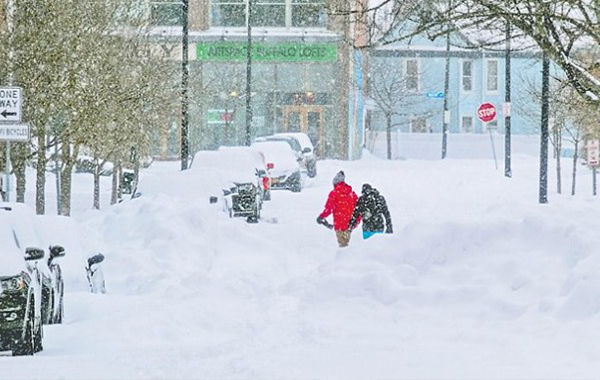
(420, 125)
(492, 76)
(228, 13)
(308, 13)
(412, 75)
(269, 13)
(467, 76)
(466, 124)
(166, 13)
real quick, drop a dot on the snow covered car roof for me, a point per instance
(225, 167)
(256, 158)
(279, 154)
(302, 138)
(17, 232)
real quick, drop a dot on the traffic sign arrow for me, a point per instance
(5, 113)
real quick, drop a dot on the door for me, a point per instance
(306, 119)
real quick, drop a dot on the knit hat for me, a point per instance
(339, 177)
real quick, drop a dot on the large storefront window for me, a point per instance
(166, 12)
(269, 13)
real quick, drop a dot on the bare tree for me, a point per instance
(557, 27)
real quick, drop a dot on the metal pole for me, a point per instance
(184, 88)
(507, 107)
(249, 78)
(7, 191)
(57, 172)
(446, 90)
(544, 130)
(594, 182)
(493, 148)
(9, 21)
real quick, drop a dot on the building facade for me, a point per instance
(476, 77)
(306, 77)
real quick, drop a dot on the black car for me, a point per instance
(20, 287)
(236, 171)
(53, 288)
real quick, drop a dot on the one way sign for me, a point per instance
(10, 104)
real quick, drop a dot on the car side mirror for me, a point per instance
(213, 200)
(56, 251)
(33, 253)
(306, 150)
(96, 259)
(270, 165)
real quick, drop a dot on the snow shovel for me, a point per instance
(325, 223)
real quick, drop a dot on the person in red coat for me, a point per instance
(341, 202)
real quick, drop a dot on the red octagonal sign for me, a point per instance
(486, 112)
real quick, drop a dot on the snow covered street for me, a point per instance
(478, 281)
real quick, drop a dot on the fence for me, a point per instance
(428, 146)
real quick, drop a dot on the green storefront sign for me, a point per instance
(266, 52)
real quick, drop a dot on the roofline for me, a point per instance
(453, 53)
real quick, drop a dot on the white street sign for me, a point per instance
(593, 152)
(506, 109)
(10, 104)
(14, 132)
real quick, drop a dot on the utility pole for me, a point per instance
(249, 77)
(10, 9)
(446, 90)
(184, 87)
(507, 106)
(544, 130)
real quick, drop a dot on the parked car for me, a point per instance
(282, 164)
(260, 165)
(20, 285)
(235, 175)
(293, 143)
(56, 300)
(307, 149)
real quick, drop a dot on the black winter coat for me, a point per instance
(372, 207)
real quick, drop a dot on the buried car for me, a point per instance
(20, 285)
(307, 150)
(236, 176)
(282, 164)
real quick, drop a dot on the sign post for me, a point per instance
(593, 156)
(11, 101)
(487, 113)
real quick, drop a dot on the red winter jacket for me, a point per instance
(341, 203)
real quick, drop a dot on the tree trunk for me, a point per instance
(388, 133)
(115, 185)
(120, 183)
(136, 177)
(18, 156)
(575, 157)
(21, 180)
(557, 150)
(40, 182)
(66, 175)
(97, 168)
(65, 188)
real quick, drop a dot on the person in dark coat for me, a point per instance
(371, 206)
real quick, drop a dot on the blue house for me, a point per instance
(476, 76)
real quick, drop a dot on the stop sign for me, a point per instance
(486, 112)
